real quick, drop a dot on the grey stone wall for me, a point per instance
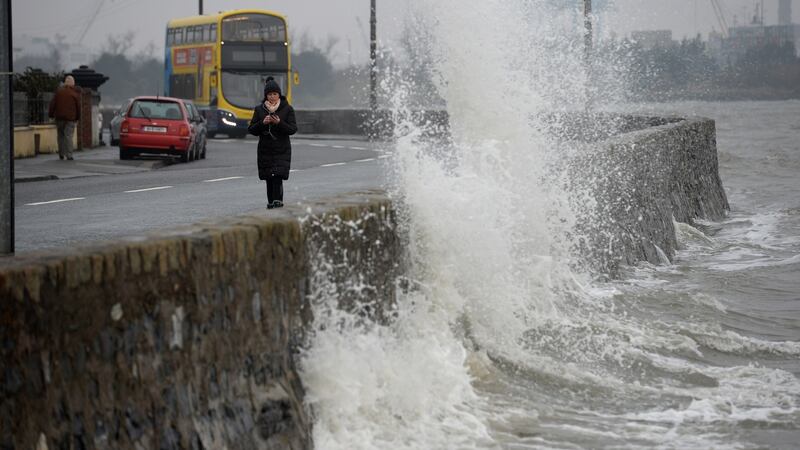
(178, 341)
(641, 180)
(360, 122)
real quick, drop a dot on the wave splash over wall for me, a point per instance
(498, 335)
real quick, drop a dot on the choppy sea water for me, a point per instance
(700, 353)
(500, 342)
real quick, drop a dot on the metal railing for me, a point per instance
(31, 110)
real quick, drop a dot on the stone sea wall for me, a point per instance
(177, 341)
(641, 180)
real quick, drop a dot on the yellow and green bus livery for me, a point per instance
(221, 62)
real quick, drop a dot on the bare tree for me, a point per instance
(119, 44)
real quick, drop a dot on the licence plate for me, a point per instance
(156, 129)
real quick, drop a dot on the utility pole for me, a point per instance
(6, 132)
(587, 49)
(201, 7)
(587, 25)
(373, 62)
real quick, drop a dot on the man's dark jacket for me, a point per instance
(66, 104)
(274, 147)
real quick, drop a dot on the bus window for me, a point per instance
(253, 28)
(178, 36)
(170, 36)
(213, 35)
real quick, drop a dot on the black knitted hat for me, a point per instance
(271, 86)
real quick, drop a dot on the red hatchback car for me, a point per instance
(161, 125)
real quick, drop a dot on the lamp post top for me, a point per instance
(88, 78)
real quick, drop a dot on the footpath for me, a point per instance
(87, 163)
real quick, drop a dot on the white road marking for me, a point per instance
(365, 160)
(158, 188)
(384, 156)
(56, 201)
(318, 145)
(358, 148)
(221, 179)
(333, 164)
(295, 170)
(337, 146)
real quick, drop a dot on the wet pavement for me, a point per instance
(86, 163)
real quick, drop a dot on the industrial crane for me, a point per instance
(91, 21)
(720, 17)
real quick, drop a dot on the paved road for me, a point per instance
(64, 212)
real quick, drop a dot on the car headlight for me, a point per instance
(227, 117)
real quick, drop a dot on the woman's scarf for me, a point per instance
(272, 107)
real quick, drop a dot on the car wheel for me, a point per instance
(240, 135)
(211, 134)
(185, 156)
(193, 154)
(124, 153)
(203, 155)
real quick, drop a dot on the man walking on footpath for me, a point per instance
(66, 109)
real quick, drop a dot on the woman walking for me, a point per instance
(273, 122)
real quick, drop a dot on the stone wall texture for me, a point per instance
(179, 341)
(653, 172)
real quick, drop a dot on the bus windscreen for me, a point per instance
(245, 89)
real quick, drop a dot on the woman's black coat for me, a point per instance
(274, 147)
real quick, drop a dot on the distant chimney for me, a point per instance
(785, 12)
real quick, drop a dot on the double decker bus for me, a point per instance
(221, 62)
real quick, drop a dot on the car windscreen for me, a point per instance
(123, 110)
(156, 109)
(194, 113)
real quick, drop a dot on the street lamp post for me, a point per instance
(7, 133)
(373, 63)
(587, 49)
(587, 25)
(200, 7)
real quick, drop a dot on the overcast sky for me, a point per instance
(346, 20)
